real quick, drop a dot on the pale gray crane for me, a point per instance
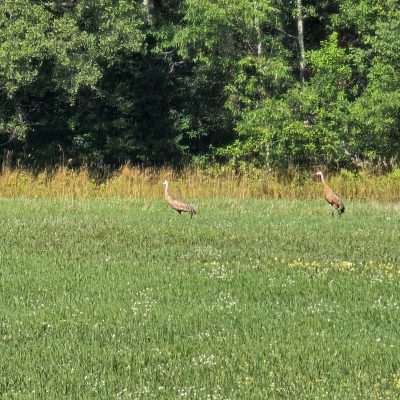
(177, 205)
(330, 196)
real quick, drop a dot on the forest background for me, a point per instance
(262, 83)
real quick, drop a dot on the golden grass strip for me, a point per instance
(139, 183)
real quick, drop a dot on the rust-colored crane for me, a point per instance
(177, 205)
(330, 196)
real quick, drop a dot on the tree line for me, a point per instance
(269, 83)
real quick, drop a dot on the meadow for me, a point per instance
(251, 299)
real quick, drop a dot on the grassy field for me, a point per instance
(251, 299)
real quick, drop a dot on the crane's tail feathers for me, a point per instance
(192, 210)
(188, 208)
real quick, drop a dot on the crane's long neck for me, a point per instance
(166, 194)
(326, 186)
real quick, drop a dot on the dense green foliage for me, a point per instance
(248, 300)
(175, 81)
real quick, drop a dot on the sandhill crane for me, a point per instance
(330, 196)
(177, 205)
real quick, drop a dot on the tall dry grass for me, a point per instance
(137, 183)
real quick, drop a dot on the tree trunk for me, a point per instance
(300, 38)
(258, 30)
(259, 44)
(149, 5)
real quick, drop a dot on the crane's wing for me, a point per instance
(181, 206)
(334, 200)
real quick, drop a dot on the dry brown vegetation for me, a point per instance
(133, 182)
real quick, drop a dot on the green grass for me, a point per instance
(119, 299)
